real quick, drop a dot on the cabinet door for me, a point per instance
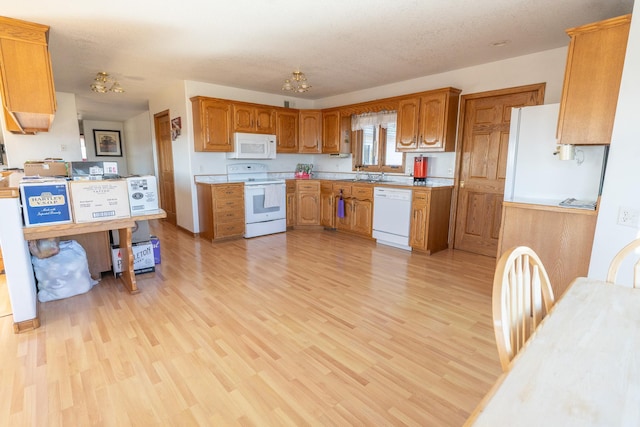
(310, 131)
(417, 234)
(265, 120)
(362, 217)
(592, 81)
(26, 82)
(327, 209)
(346, 222)
(432, 118)
(308, 208)
(407, 125)
(291, 203)
(212, 124)
(331, 132)
(287, 131)
(243, 118)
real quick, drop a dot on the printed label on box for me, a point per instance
(142, 258)
(143, 193)
(99, 200)
(45, 203)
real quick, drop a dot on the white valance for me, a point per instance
(382, 119)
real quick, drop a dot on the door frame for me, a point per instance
(172, 219)
(538, 87)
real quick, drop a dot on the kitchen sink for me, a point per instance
(368, 181)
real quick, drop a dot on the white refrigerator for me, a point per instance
(535, 175)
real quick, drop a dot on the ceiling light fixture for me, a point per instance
(296, 83)
(500, 43)
(104, 83)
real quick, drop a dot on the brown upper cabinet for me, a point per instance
(287, 130)
(211, 124)
(310, 131)
(331, 131)
(254, 118)
(428, 122)
(592, 81)
(28, 94)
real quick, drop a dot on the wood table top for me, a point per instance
(580, 368)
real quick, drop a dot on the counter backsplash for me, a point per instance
(400, 179)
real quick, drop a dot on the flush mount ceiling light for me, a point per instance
(500, 43)
(296, 83)
(104, 83)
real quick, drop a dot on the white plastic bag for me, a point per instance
(63, 275)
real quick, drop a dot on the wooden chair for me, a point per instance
(617, 261)
(522, 296)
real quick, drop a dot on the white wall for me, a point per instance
(62, 140)
(623, 174)
(139, 149)
(547, 66)
(89, 126)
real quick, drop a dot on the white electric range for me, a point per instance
(265, 204)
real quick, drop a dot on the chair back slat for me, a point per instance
(522, 296)
(614, 267)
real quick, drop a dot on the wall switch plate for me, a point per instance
(628, 216)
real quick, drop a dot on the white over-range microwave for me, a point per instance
(253, 146)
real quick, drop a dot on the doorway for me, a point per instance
(166, 185)
(485, 119)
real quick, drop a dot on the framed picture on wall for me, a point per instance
(107, 142)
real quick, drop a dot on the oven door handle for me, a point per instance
(259, 186)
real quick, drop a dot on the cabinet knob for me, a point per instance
(461, 184)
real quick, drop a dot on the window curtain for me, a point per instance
(382, 119)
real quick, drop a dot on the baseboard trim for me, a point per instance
(26, 325)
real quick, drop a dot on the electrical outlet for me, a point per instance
(628, 216)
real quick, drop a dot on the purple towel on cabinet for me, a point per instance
(341, 208)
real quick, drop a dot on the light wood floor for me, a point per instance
(303, 328)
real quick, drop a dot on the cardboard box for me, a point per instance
(156, 249)
(99, 200)
(46, 168)
(45, 203)
(142, 258)
(140, 233)
(143, 193)
(93, 170)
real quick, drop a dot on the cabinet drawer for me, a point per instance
(229, 229)
(346, 189)
(420, 196)
(228, 191)
(229, 204)
(229, 216)
(361, 192)
(326, 187)
(308, 186)
(291, 186)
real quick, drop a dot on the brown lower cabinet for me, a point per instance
(358, 208)
(562, 238)
(291, 203)
(221, 210)
(315, 202)
(308, 202)
(430, 211)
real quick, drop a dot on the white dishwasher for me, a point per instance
(392, 216)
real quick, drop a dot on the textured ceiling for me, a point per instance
(341, 45)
